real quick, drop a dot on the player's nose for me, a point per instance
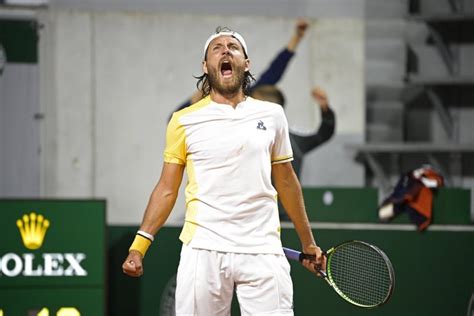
(226, 51)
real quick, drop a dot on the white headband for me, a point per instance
(226, 33)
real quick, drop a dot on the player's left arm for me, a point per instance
(291, 196)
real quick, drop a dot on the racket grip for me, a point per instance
(292, 254)
(297, 255)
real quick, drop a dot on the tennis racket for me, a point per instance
(359, 272)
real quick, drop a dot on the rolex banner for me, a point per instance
(52, 257)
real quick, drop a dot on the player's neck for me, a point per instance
(230, 99)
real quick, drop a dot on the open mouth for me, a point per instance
(226, 69)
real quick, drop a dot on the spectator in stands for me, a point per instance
(302, 144)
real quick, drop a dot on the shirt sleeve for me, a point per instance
(183, 105)
(281, 151)
(175, 150)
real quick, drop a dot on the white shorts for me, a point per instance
(206, 279)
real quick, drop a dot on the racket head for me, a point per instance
(360, 273)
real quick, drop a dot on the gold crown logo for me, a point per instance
(32, 230)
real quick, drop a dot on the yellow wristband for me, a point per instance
(140, 244)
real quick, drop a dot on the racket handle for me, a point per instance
(299, 256)
(292, 254)
(296, 255)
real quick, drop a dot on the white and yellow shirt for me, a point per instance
(231, 204)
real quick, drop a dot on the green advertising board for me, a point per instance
(426, 264)
(426, 267)
(52, 257)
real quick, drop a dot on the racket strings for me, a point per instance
(361, 274)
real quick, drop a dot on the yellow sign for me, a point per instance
(32, 230)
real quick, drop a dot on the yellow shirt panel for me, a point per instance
(175, 150)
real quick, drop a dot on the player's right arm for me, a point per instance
(159, 207)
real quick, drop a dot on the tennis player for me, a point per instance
(231, 146)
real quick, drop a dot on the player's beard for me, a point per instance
(229, 87)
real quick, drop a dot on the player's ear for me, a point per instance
(204, 67)
(247, 65)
